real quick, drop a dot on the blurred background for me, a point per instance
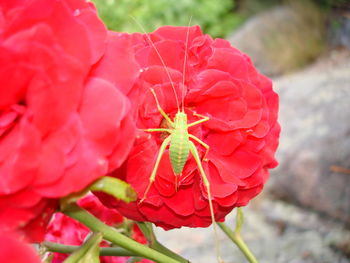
(303, 214)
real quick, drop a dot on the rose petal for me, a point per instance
(107, 113)
(18, 252)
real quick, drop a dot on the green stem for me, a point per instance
(161, 248)
(104, 251)
(147, 230)
(110, 234)
(236, 238)
(89, 251)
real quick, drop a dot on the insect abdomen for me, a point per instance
(179, 150)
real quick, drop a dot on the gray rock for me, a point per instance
(282, 39)
(339, 31)
(276, 232)
(314, 150)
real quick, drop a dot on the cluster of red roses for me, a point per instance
(65, 230)
(75, 100)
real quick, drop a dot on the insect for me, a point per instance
(179, 140)
(180, 146)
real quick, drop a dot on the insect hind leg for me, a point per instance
(195, 154)
(206, 146)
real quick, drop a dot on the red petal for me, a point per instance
(35, 230)
(163, 53)
(244, 196)
(234, 168)
(88, 167)
(102, 109)
(126, 137)
(252, 96)
(94, 206)
(177, 33)
(13, 250)
(228, 201)
(163, 216)
(23, 199)
(19, 156)
(225, 142)
(261, 129)
(182, 202)
(96, 31)
(228, 60)
(218, 187)
(122, 75)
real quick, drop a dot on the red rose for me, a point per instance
(14, 251)
(106, 215)
(66, 230)
(221, 83)
(61, 127)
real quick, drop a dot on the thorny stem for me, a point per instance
(235, 236)
(104, 251)
(110, 234)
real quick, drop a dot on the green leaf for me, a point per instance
(115, 187)
(89, 252)
(109, 185)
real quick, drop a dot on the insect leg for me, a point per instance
(199, 115)
(195, 154)
(157, 130)
(161, 110)
(154, 172)
(206, 146)
(204, 118)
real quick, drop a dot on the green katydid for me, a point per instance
(179, 139)
(179, 146)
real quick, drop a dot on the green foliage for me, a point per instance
(332, 3)
(215, 17)
(89, 252)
